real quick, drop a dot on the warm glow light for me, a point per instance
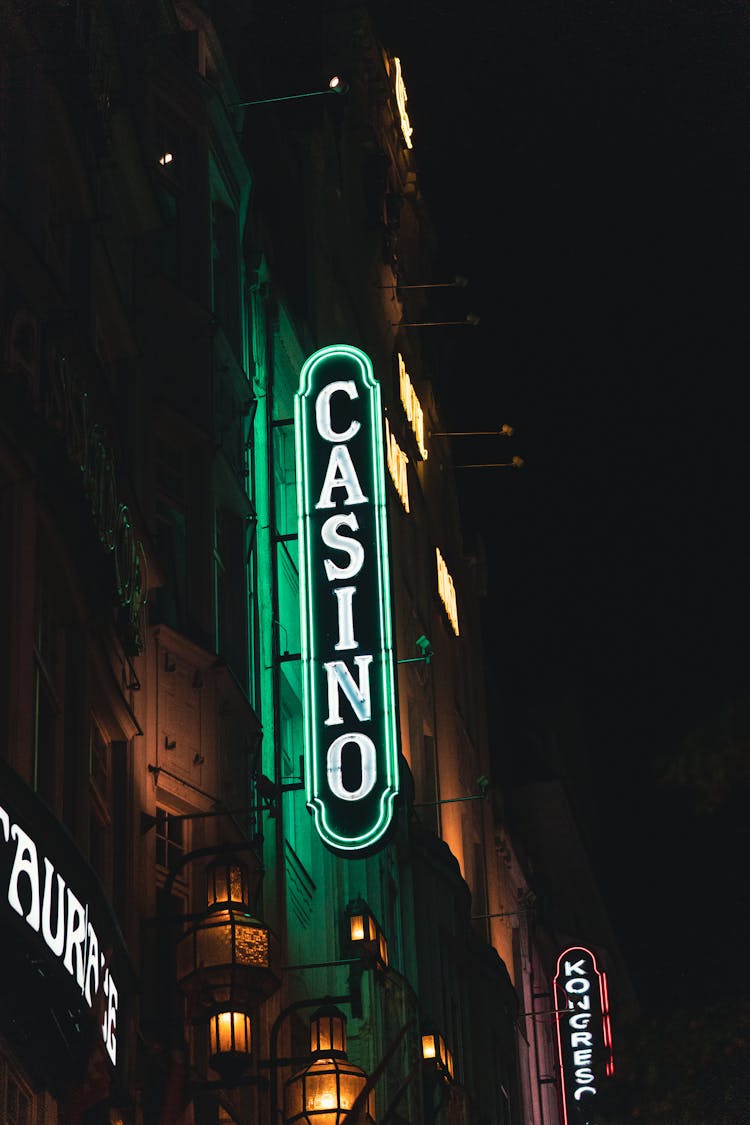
(229, 1033)
(412, 406)
(447, 591)
(428, 1047)
(406, 127)
(383, 949)
(397, 462)
(166, 158)
(357, 927)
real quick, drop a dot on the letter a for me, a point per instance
(340, 474)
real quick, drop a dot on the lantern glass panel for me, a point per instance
(351, 1084)
(357, 927)
(383, 946)
(229, 1032)
(213, 944)
(327, 1033)
(252, 945)
(428, 1046)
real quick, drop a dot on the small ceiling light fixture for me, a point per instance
(166, 158)
(471, 319)
(336, 85)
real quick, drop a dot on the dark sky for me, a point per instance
(588, 168)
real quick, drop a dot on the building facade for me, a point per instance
(180, 235)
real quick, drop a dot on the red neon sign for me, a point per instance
(584, 1032)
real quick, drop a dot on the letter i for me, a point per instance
(344, 595)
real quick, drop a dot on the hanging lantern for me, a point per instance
(228, 959)
(229, 1042)
(363, 936)
(434, 1050)
(327, 1088)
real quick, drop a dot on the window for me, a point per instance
(285, 478)
(100, 804)
(170, 839)
(225, 273)
(231, 591)
(16, 1099)
(171, 533)
(48, 694)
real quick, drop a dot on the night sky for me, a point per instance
(588, 169)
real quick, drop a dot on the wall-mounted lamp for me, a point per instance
(425, 652)
(471, 320)
(435, 1051)
(324, 1091)
(336, 85)
(363, 936)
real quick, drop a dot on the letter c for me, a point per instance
(583, 1090)
(323, 411)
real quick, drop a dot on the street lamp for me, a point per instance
(325, 1090)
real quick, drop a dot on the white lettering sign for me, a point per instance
(583, 1034)
(40, 896)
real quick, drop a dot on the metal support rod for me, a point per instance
(505, 914)
(321, 964)
(286, 98)
(469, 433)
(450, 801)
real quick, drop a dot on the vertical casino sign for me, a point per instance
(351, 744)
(584, 1035)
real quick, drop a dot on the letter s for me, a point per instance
(330, 535)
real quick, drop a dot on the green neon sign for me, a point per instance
(351, 744)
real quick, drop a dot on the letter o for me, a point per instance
(368, 766)
(578, 984)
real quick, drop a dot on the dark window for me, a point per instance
(15, 1098)
(230, 561)
(170, 840)
(225, 271)
(171, 534)
(100, 804)
(48, 694)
